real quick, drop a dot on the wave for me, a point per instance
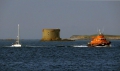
(35, 46)
(7, 46)
(80, 46)
(57, 46)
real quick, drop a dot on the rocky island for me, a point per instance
(87, 37)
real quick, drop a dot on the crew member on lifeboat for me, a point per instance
(99, 40)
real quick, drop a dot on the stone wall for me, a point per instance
(50, 35)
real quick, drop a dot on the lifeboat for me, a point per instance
(99, 41)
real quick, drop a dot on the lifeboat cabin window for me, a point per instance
(102, 39)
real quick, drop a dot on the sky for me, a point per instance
(72, 17)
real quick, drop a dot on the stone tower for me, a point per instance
(51, 35)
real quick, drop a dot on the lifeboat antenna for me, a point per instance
(100, 32)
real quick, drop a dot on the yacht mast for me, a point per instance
(18, 33)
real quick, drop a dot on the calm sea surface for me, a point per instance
(58, 56)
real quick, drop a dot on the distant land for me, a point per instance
(81, 37)
(87, 37)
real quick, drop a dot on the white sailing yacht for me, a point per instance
(17, 44)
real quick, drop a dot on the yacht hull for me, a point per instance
(16, 45)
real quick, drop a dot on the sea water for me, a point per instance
(35, 55)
